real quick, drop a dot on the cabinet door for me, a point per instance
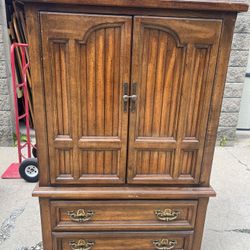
(174, 62)
(86, 60)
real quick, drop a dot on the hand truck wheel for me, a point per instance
(29, 170)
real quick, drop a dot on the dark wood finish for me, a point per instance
(173, 65)
(120, 215)
(220, 5)
(217, 96)
(88, 91)
(200, 221)
(46, 221)
(33, 24)
(110, 193)
(33, 30)
(124, 240)
(154, 155)
(116, 10)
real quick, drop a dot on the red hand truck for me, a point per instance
(28, 168)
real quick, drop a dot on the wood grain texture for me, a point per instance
(124, 240)
(217, 96)
(200, 222)
(84, 97)
(101, 162)
(33, 30)
(131, 193)
(177, 53)
(120, 215)
(174, 71)
(221, 5)
(45, 221)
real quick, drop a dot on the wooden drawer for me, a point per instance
(123, 241)
(123, 215)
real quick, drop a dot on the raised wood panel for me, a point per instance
(124, 240)
(161, 161)
(195, 108)
(64, 163)
(188, 163)
(173, 65)
(60, 88)
(84, 71)
(101, 162)
(100, 77)
(199, 93)
(120, 215)
(159, 96)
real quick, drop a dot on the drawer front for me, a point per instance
(123, 241)
(123, 215)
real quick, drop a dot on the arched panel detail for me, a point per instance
(174, 69)
(162, 64)
(100, 76)
(167, 30)
(95, 28)
(84, 70)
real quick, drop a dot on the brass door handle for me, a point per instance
(80, 215)
(164, 244)
(81, 244)
(166, 214)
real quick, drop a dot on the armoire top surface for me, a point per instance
(214, 5)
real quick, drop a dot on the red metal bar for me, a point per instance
(24, 145)
(22, 116)
(23, 85)
(26, 103)
(20, 85)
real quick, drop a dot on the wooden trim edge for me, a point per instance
(96, 193)
(219, 5)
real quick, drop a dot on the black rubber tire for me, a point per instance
(34, 151)
(25, 166)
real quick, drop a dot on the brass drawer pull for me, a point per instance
(164, 244)
(80, 215)
(81, 245)
(167, 214)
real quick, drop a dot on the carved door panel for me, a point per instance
(86, 60)
(174, 62)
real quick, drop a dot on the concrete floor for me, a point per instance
(228, 218)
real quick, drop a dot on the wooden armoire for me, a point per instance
(127, 97)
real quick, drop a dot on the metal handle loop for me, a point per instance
(80, 215)
(164, 244)
(166, 214)
(81, 244)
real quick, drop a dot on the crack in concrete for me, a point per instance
(38, 246)
(217, 231)
(8, 224)
(239, 161)
(238, 230)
